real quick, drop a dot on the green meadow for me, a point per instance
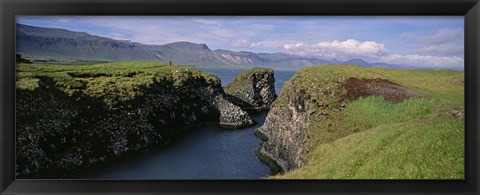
(370, 138)
(113, 82)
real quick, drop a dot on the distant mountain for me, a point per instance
(77, 45)
(50, 43)
(361, 62)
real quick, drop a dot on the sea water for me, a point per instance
(204, 152)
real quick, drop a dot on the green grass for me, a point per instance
(28, 83)
(372, 138)
(113, 82)
(411, 150)
(447, 85)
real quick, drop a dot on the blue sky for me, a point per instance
(420, 41)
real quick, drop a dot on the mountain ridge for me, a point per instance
(55, 43)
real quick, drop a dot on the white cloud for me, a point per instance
(340, 50)
(446, 41)
(372, 52)
(443, 36)
(242, 43)
(223, 32)
(163, 31)
(205, 21)
(448, 49)
(146, 32)
(63, 20)
(426, 61)
(440, 49)
(118, 36)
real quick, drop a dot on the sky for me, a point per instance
(420, 41)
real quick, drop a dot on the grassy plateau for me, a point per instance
(113, 82)
(370, 138)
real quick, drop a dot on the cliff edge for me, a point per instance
(253, 89)
(309, 111)
(73, 117)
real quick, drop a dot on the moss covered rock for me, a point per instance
(253, 90)
(73, 117)
(309, 109)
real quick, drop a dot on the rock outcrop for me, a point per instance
(283, 131)
(253, 90)
(60, 133)
(232, 116)
(306, 101)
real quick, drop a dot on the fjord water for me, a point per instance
(204, 152)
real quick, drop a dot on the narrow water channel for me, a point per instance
(204, 152)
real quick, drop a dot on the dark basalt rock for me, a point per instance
(253, 90)
(232, 116)
(58, 134)
(282, 135)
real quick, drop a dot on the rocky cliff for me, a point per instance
(283, 130)
(310, 103)
(253, 89)
(68, 119)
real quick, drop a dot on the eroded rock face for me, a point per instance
(253, 90)
(232, 116)
(58, 134)
(283, 132)
(305, 101)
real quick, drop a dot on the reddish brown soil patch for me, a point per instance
(390, 91)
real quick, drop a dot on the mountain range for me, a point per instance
(51, 44)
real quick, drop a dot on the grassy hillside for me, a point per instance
(419, 138)
(112, 82)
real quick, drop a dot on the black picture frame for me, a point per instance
(470, 9)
